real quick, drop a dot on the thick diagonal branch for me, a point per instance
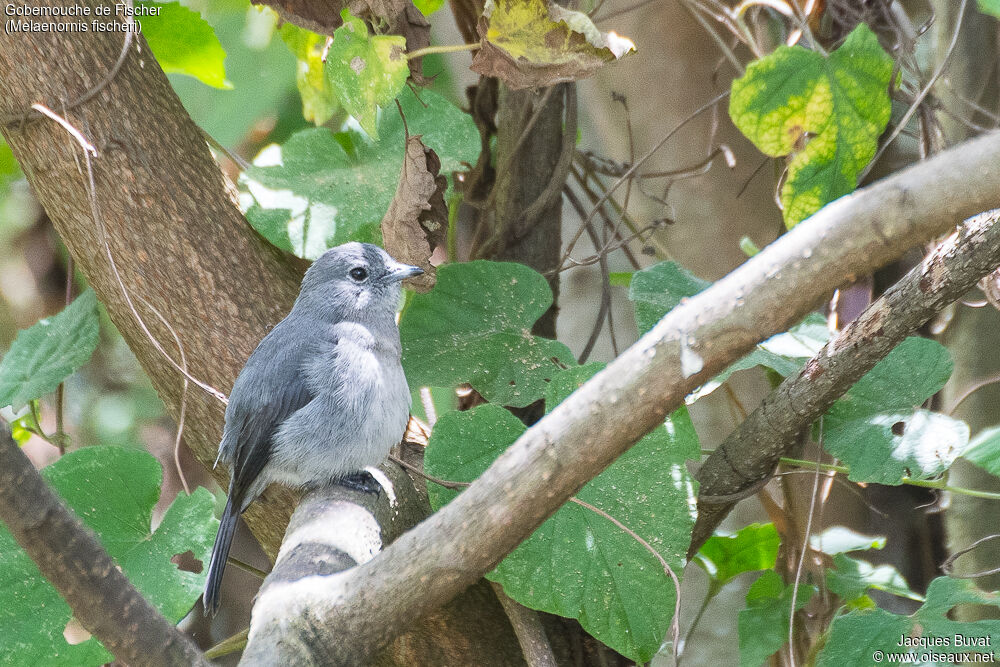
(583, 435)
(749, 455)
(75, 563)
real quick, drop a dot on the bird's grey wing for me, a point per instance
(269, 390)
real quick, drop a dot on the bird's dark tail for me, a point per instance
(220, 552)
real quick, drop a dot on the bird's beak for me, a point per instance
(404, 271)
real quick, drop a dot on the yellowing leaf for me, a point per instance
(531, 43)
(366, 72)
(826, 112)
(318, 99)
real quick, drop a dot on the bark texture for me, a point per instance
(178, 239)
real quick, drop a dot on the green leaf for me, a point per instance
(875, 430)
(620, 278)
(851, 578)
(428, 7)
(49, 352)
(319, 101)
(828, 112)
(578, 563)
(475, 327)
(991, 7)
(9, 168)
(783, 353)
(258, 67)
(321, 189)
(185, 43)
(855, 637)
(753, 548)
(763, 625)
(984, 450)
(533, 43)
(365, 72)
(657, 289)
(113, 490)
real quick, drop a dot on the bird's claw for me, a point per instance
(362, 481)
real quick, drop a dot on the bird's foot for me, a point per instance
(362, 481)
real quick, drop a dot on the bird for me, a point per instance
(323, 395)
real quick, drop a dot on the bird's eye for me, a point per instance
(358, 273)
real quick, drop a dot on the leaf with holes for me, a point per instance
(185, 43)
(113, 491)
(475, 327)
(365, 71)
(578, 563)
(320, 189)
(876, 430)
(856, 636)
(49, 352)
(827, 112)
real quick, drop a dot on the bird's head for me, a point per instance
(354, 281)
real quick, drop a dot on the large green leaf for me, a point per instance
(578, 563)
(185, 43)
(658, 289)
(875, 429)
(826, 111)
(321, 189)
(49, 352)
(365, 71)
(763, 625)
(859, 635)
(113, 490)
(475, 327)
(753, 548)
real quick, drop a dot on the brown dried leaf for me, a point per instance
(417, 220)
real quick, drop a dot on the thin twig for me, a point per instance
(922, 94)
(633, 168)
(184, 389)
(805, 549)
(530, 634)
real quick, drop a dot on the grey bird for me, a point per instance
(323, 395)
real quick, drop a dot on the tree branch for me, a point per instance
(75, 563)
(749, 455)
(334, 529)
(578, 439)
